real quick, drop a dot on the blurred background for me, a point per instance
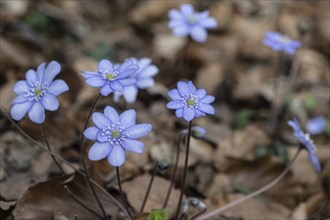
(239, 154)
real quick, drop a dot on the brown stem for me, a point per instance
(184, 171)
(149, 186)
(122, 193)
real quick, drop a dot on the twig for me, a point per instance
(122, 193)
(149, 186)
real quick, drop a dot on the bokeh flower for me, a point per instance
(305, 141)
(38, 93)
(316, 125)
(111, 77)
(189, 102)
(280, 42)
(114, 134)
(188, 22)
(143, 77)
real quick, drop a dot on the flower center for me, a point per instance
(284, 40)
(36, 91)
(111, 76)
(191, 19)
(114, 134)
(190, 101)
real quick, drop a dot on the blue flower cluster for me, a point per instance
(280, 42)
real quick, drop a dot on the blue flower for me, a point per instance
(113, 134)
(316, 125)
(111, 77)
(38, 93)
(143, 79)
(189, 102)
(305, 140)
(188, 22)
(279, 42)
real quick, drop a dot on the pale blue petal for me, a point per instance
(188, 114)
(105, 66)
(90, 133)
(106, 90)
(49, 102)
(96, 81)
(138, 131)
(116, 86)
(100, 137)
(133, 146)
(315, 161)
(145, 83)
(117, 95)
(99, 151)
(37, 113)
(58, 87)
(207, 99)
(199, 113)
(206, 108)
(126, 64)
(174, 105)
(128, 118)
(175, 23)
(192, 87)
(201, 93)
(19, 99)
(181, 31)
(117, 156)
(124, 73)
(130, 94)
(112, 114)
(183, 88)
(100, 120)
(143, 63)
(198, 34)
(179, 113)
(174, 94)
(208, 23)
(41, 72)
(187, 9)
(127, 81)
(31, 77)
(21, 87)
(17, 111)
(87, 74)
(149, 71)
(175, 15)
(52, 70)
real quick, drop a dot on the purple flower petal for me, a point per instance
(206, 108)
(18, 111)
(128, 63)
(90, 133)
(88, 74)
(179, 113)
(149, 71)
(105, 66)
(127, 81)
(209, 23)
(175, 15)
(100, 137)
(143, 63)
(199, 34)
(58, 87)
(96, 81)
(176, 23)
(174, 105)
(37, 113)
(133, 146)
(208, 99)
(138, 131)
(181, 31)
(49, 102)
(187, 9)
(116, 86)
(31, 77)
(106, 90)
(188, 114)
(52, 70)
(183, 88)
(99, 151)
(19, 99)
(316, 125)
(201, 93)
(130, 94)
(192, 87)
(128, 72)
(21, 87)
(145, 83)
(127, 118)
(199, 113)
(117, 156)
(174, 94)
(315, 161)
(41, 72)
(100, 120)
(112, 114)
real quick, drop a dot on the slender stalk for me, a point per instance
(82, 153)
(28, 137)
(255, 193)
(198, 214)
(178, 142)
(44, 134)
(122, 194)
(80, 202)
(184, 171)
(149, 186)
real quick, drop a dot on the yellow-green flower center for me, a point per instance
(110, 76)
(38, 92)
(284, 39)
(115, 134)
(191, 19)
(190, 102)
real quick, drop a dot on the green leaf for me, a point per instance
(242, 118)
(158, 214)
(310, 102)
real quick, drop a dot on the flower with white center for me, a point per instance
(114, 134)
(38, 93)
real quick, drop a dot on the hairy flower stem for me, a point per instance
(44, 134)
(122, 194)
(213, 213)
(80, 202)
(149, 186)
(173, 177)
(82, 154)
(185, 170)
(28, 137)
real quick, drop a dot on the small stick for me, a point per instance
(184, 170)
(44, 134)
(149, 186)
(122, 193)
